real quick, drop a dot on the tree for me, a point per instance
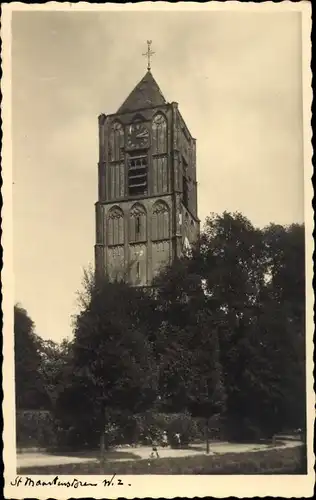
(285, 303)
(30, 390)
(226, 329)
(221, 332)
(113, 367)
(187, 343)
(55, 360)
(255, 282)
(190, 372)
(285, 254)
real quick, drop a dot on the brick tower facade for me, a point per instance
(146, 213)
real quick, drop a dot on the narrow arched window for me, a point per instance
(159, 131)
(115, 231)
(160, 221)
(116, 169)
(160, 176)
(116, 144)
(138, 223)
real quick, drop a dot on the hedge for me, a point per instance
(148, 427)
(35, 429)
(39, 429)
(143, 428)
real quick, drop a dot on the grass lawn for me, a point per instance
(274, 461)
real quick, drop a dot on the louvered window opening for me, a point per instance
(137, 176)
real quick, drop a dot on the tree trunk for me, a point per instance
(102, 452)
(102, 442)
(207, 436)
(102, 445)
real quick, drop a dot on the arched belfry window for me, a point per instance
(160, 221)
(138, 223)
(159, 127)
(116, 142)
(116, 177)
(115, 232)
(160, 159)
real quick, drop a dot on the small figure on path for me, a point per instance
(164, 440)
(178, 440)
(154, 452)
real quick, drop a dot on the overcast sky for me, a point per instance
(237, 79)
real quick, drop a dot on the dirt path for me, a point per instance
(41, 459)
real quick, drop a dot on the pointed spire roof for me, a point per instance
(146, 94)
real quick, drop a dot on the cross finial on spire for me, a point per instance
(149, 53)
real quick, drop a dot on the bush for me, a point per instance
(184, 425)
(143, 428)
(35, 429)
(150, 427)
(216, 428)
(243, 430)
(75, 438)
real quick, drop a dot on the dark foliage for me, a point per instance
(221, 334)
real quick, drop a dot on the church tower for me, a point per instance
(146, 213)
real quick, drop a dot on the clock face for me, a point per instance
(137, 136)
